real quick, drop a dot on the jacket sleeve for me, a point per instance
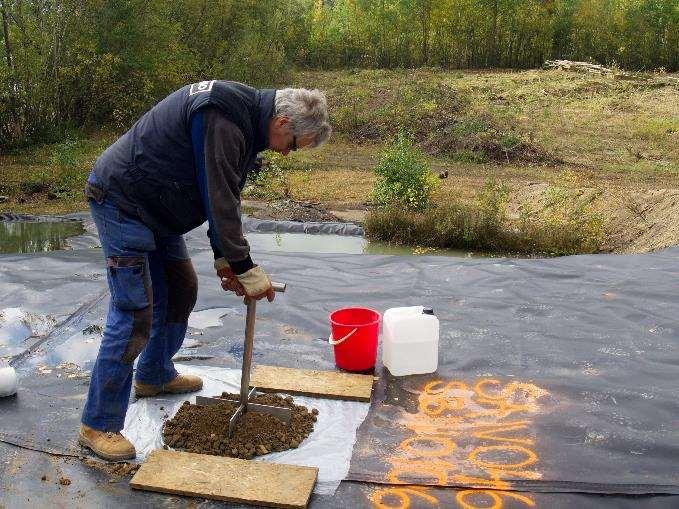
(219, 147)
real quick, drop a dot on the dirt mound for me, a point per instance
(204, 429)
(116, 471)
(644, 221)
(289, 210)
(480, 139)
(635, 220)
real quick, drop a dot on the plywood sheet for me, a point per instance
(309, 382)
(227, 479)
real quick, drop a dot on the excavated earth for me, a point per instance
(204, 429)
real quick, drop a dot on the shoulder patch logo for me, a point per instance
(203, 86)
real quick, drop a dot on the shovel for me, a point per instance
(246, 393)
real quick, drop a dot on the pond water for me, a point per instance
(338, 244)
(36, 236)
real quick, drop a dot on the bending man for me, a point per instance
(183, 162)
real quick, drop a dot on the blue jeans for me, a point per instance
(153, 289)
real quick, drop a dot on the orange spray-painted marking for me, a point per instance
(429, 471)
(463, 499)
(494, 430)
(461, 436)
(380, 498)
(417, 446)
(530, 457)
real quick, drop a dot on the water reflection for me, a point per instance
(36, 236)
(337, 244)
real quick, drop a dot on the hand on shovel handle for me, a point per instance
(231, 284)
(256, 284)
(269, 293)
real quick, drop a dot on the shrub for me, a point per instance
(34, 183)
(491, 203)
(451, 226)
(65, 154)
(270, 182)
(403, 177)
(565, 225)
(69, 184)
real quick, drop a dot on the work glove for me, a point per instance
(253, 284)
(229, 281)
(257, 284)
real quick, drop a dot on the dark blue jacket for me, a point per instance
(150, 171)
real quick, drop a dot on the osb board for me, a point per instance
(309, 382)
(227, 479)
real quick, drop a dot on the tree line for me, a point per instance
(72, 63)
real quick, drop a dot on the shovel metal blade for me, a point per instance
(282, 413)
(279, 412)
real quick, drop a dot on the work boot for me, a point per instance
(106, 444)
(179, 385)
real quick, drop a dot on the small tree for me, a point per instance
(404, 178)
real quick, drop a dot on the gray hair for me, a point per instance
(307, 111)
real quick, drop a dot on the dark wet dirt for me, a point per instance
(290, 210)
(204, 429)
(115, 470)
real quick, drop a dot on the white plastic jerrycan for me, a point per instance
(8, 380)
(411, 340)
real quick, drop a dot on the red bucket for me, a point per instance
(354, 337)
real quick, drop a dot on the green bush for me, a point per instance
(34, 183)
(566, 223)
(271, 181)
(403, 177)
(69, 183)
(65, 154)
(451, 226)
(564, 226)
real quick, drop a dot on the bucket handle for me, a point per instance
(334, 342)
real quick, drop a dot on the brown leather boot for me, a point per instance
(105, 444)
(179, 385)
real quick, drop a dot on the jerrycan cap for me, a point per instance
(427, 311)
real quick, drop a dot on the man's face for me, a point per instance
(282, 139)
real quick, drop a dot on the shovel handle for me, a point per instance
(247, 346)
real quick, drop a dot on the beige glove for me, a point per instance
(256, 284)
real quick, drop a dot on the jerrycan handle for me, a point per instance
(335, 342)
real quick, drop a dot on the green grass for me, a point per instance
(564, 225)
(518, 126)
(535, 116)
(51, 177)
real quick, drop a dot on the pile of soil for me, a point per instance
(290, 210)
(116, 471)
(204, 429)
(642, 221)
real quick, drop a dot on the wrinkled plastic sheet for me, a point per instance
(328, 448)
(590, 344)
(251, 224)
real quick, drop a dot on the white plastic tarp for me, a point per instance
(329, 446)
